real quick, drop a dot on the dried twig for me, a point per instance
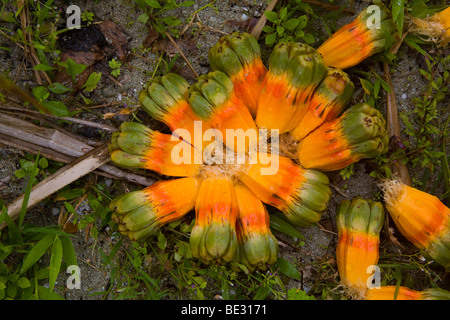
(256, 32)
(181, 53)
(393, 125)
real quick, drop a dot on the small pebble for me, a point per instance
(55, 211)
(244, 17)
(404, 96)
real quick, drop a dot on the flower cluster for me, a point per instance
(298, 96)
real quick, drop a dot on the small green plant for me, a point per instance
(27, 167)
(21, 248)
(297, 294)
(115, 67)
(156, 14)
(288, 25)
(347, 172)
(87, 17)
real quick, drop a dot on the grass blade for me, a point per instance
(69, 255)
(37, 251)
(288, 269)
(26, 196)
(279, 224)
(55, 262)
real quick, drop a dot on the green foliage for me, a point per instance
(156, 14)
(115, 67)
(21, 280)
(347, 172)
(297, 294)
(288, 24)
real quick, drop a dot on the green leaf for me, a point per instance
(271, 16)
(398, 14)
(26, 195)
(74, 69)
(37, 251)
(268, 29)
(46, 294)
(309, 38)
(55, 262)
(57, 87)
(13, 231)
(271, 39)
(287, 269)
(262, 293)
(291, 24)
(43, 67)
(283, 13)
(92, 81)
(57, 108)
(41, 93)
(297, 294)
(43, 163)
(280, 30)
(303, 21)
(187, 4)
(153, 3)
(279, 224)
(367, 86)
(162, 241)
(20, 173)
(23, 283)
(143, 18)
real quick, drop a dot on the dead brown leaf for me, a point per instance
(187, 44)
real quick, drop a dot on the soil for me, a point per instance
(221, 18)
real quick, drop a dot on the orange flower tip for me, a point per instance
(238, 56)
(327, 101)
(421, 218)
(163, 95)
(209, 93)
(141, 213)
(360, 215)
(257, 246)
(404, 293)
(360, 39)
(213, 237)
(309, 200)
(359, 133)
(233, 53)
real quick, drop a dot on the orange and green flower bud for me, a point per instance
(359, 133)
(213, 238)
(214, 100)
(295, 69)
(421, 218)
(326, 103)
(359, 223)
(301, 194)
(136, 146)
(141, 213)
(366, 35)
(238, 56)
(404, 293)
(257, 245)
(435, 28)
